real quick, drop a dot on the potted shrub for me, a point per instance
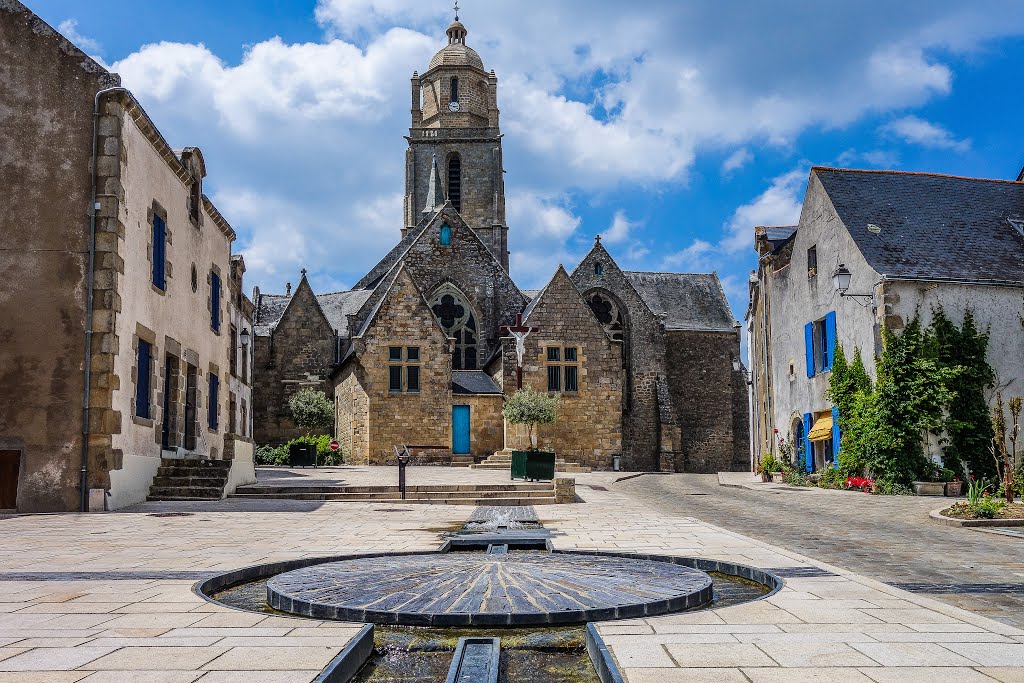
(770, 468)
(932, 483)
(531, 408)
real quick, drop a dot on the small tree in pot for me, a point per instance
(531, 408)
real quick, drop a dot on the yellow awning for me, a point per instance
(822, 428)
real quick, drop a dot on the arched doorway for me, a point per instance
(799, 444)
(459, 320)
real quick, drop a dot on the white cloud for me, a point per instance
(69, 29)
(620, 229)
(304, 141)
(699, 257)
(736, 161)
(917, 131)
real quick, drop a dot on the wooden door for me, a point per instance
(460, 430)
(10, 468)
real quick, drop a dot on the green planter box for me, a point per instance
(535, 465)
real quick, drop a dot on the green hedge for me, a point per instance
(270, 455)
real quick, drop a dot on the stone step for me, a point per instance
(444, 488)
(509, 501)
(203, 492)
(191, 472)
(394, 495)
(194, 462)
(167, 480)
(157, 499)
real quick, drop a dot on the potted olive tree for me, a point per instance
(532, 408)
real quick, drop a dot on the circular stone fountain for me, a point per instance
(478, 589)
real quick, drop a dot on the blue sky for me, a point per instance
(671, 128)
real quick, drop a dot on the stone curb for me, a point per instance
(952, 521)
(344, 667)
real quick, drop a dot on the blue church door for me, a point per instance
(460, 430)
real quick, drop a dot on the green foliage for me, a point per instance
(968, 427)
(976, 490)
(931, 379)
(311, 409)
(832, 478)
(986, 508)
(769, 463)
(531, 408)
(795, 477)
(888, 486)
(269, 455)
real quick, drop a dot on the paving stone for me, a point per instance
(143, 677)
(686, 676)
(643, 655)
(990, 654)
(911, 654)
(935, 674)
(273, 659)
(1004, 674)
(43, 677)
(261, 676)
(157, 658)
(815, 654)
(54, 658)
(805, 675)
(719, 655)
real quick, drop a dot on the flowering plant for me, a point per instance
(865, 484)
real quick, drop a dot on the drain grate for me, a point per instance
(800, 572)
(170, 514)
(961, 587)
(598, 488)
(393, 510)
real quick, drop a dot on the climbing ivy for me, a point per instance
(929, 380)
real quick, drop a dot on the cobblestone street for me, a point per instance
(889, 538)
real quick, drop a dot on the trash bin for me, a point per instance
(302, 455)
(616, 463)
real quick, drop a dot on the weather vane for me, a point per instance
(456, 10)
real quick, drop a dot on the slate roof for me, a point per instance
(689, 301)
(473, 382)
(777, 236)
(933, 227)
(336, 307)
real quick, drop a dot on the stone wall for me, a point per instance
(589, 425)
(487, 426)
(47, 88)
(644, 357)
(709, 400)
(424, 418)
(300, 353)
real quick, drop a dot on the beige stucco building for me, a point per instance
(125, 299)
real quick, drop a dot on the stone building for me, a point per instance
(419, 353)
(119, 292)
(910, 242)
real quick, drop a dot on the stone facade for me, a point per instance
(140, 182)
(373, 416)
(589, 425)
(298, 354)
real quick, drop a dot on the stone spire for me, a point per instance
(435, 190)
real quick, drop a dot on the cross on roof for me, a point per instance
(303, 272)
(456, 10)
(518, 327)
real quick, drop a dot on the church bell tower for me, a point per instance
(455, 124)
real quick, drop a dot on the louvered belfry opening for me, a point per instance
(455, 182)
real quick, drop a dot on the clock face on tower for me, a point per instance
(453, 107)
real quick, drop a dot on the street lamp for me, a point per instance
(244, 337)
(841, 279)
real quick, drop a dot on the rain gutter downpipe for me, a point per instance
(91, 278)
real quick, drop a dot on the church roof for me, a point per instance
(336, 306)
(473, 382)
(932, 227)
(457, 54)
(688, 301)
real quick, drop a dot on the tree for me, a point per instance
(531, 408)
(311, 409)
(851, 391)
(968, 425)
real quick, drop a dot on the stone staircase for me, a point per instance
(503, 461)
(540, 493)
(189, 479)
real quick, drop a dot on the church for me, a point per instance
(425, 347)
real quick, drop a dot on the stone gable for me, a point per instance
(371, 419)
(299, 353)
(589, 425)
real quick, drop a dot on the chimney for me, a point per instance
(288, 289)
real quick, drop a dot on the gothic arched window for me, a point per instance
(455, 181)
(446, 235)
(608, 314)
(458, 320)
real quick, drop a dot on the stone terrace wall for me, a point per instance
(710, 401)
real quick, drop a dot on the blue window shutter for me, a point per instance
(215, 302)
(808, 446)
(212, 401)
(835, 435)
(159, 252)
(809, 347)
(830, 339)
(142, 380)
